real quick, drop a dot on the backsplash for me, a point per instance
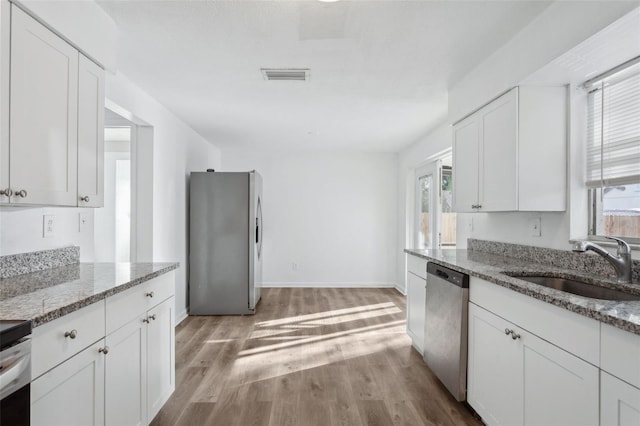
(24, 263)
(590, 263)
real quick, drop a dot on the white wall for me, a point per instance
(332, 214)
(177, 150)
(21, 230)
(559, 28)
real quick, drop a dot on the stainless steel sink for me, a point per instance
(578, 288)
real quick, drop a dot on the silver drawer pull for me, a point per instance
(85, 198)
(153, 317)
(8, 192)
(71, 334)
(150, 294)
(104, 350)
(145, 320)
(514, 335)
(507, 331)
(22, 193)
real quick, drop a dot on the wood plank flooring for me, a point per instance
(308, 357)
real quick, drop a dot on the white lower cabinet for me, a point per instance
(160, 356)
(72, 393)
(126, 378)
(122, 379)
(416, 303)
(416, 300)
(619, 402)
(494, 377)
(517, 378)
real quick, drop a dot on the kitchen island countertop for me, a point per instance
(49, 294)
(491, 267)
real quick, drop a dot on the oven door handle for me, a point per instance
(10, 374)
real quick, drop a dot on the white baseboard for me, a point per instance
(181, 316)
(327, 285)
(401, 290)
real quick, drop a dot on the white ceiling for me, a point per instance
(379, 69)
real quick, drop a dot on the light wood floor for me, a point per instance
(308, 357)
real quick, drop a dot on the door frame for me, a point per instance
(432, 168)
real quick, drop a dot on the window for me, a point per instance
(613, 152)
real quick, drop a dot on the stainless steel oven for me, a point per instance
(15, 373)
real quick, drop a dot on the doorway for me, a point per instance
(434, 219)
(113, 224)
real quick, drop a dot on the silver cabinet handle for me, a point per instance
(507, 331)
(22, 193)
(71, 334)
(514, 335)
(145, 320)
(153, 317)
(150, 294)
(104, 350)
(85, 198)
(8, 192)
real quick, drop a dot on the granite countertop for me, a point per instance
(491, 267)
(49, 294)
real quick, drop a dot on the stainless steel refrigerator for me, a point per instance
(225, 249)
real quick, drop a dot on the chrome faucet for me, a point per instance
(621, 262)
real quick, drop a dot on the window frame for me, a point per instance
(595, 192)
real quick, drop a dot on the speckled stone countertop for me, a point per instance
(49, 294)
(492, 268)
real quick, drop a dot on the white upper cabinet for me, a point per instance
(56, 121)
(90, 134)
(510, 155)
(43, 115)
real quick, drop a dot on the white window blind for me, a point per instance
(613, 128)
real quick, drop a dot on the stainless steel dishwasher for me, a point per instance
(445, 330)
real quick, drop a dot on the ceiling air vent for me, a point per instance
(285, 74)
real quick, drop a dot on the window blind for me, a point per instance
(613, 128)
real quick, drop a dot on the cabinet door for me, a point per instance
(160, 356)
(559, 388)
(72, 393)
(465, 164)
(44, 113)
(90, 134)
(494, 377)
(619, 402)
(416, 300)
(126, 375)
(498, 148)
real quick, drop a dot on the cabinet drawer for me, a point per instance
(129, 304)
(620, 354)
(50, 347)
(160, 289)
(574, 333)
(123, 307)
(417, 266)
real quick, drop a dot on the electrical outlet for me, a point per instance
(83, 221)
(535, 228)
(470, 224)
(48, 226)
